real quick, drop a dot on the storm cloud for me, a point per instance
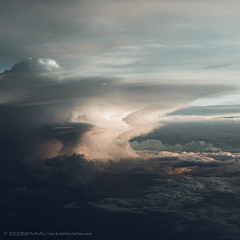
(44, 103)
(120, 119)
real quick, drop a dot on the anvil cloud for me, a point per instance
(116, 111)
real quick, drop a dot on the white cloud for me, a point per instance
(29, 65)
(151, 144)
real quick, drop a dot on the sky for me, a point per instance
(120, 118)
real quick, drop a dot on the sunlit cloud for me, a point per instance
(118, 111)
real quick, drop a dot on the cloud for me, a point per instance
(189, 187)
(188, 201)
(72, 205)
(95, 118)
(72, 171)
(77, 33)
(111, 108)
(208, 110)
(216, 66)
(151, 144)
(33, 65)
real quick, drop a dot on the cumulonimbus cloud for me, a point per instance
(116, 110)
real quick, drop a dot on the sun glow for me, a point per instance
(113, 128)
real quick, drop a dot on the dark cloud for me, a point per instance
(191, 202)
(216, 66)
(208, 219)
(72, 171)
(192, 189)
(22, 128)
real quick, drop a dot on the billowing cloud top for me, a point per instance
(34, 65)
